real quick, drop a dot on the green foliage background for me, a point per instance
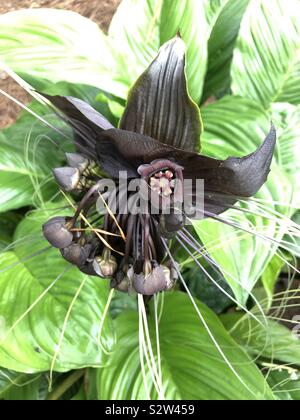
(243, 70)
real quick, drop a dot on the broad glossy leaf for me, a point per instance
(91, 384)
(285, 383)
(188, 18)
(29, 150)
(192, 367)
(135, 41)
(235, 127)
(18, 386)
(80, 396)
(287, 120)
(58, 309)
(266, 62)
(122, 302)
(213, 9)
(224, 17)
(27, 154)
(294, 240)
(270, 276)
(202, 288)
(8, 223)
(152, 23)
(46, 46)
(159, 105)
(272, 341)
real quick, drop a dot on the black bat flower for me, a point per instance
(157, 142)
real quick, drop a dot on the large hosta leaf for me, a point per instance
(221, 43)
(276, 346)
(46, 46)
(272, 341)
(287, 120)
(27, 154)
(29, 150)
(235, 127)
(270, 276)
(7, 226)
(136, 43)
(285, 383)
(18, 386)
(152, 23)
(188, 18)
(50, 312)
(192, 367)
(266, 63)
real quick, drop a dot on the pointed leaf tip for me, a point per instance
(159, 105)
(249, 173)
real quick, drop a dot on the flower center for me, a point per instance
(163, 182)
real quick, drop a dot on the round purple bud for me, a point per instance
(67, 178)
(76, 254)
(56, 232)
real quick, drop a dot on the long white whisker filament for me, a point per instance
(237, 226)
(204, 323)
(64, 327)
(35, 254)
(216, 283)
(157, 338)
(34, 114)
(110, 296)
(221, 269)
(142, 352)
(146, 348)
(33, 305)
(150, 349)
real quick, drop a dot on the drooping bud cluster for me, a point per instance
(127, 248)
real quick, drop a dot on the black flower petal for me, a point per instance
(56, 232)
(120, 150)
(159, 105)
(83, 118)
(234, 176)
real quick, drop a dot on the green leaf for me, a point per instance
(270, 276)
(235, 127)
(29, 150)
(18, 386)
(152, 23)
(285, 383)
(91, 384)
(162, 91)
(122, 302)
(80, 396)
(266, 62)
(188, 18)
(294, 240)
(135, 42)
(286, 117)
(57, 318)
(225, 17)
(45, 46)
(192, 367)
(202, 288)
(27, 155)
(8, 223)
(270, 341)
(278, 347)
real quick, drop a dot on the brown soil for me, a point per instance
(100, 11)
